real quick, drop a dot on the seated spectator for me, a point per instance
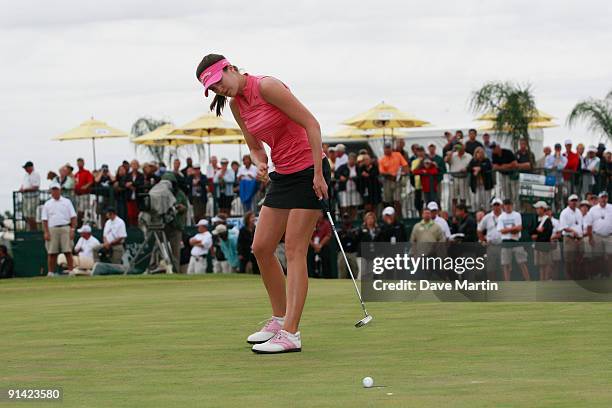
(248, 263)
(349, 237)
(369, 185)
(114, 236)
(7, 266)
(201, 244)
(228, 245)
(480, 172)
(391, 231)
(319, 253)
(348, 187)
(369, 229)
(87, 245)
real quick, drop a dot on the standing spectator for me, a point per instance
(391, 166)
(415, 163)
(198, 192)
(391, 231)
(59, 221)
(174, 230)
(225, 179)
(180, 177)
(201, 244)
(188, 166)
(149, 171)
(491, 237)
(228, 245)
(104, 197)
(245, 241)
(7, 266)
(571, 169)
(114, 236)
(554, 165)
(84, 182)
(480, 172)
(570, 222)
(472, 144)
(66, 181)
(541, 162)
(458, 162)
(428, 175)
(349, 237)
(510, 225)
(247, 177)
(348, 187)
(331, 158)
(590, 170)
(341, 157)
(86, 246)
(504, 161)
(541, 234)
(486, 142)
(369, 184)
(319, 253)
(427, 230)
(525, 160)
(464, 224)
(440, 164)
(598, 223)
(400, 145)
(120, 192)
(433, 207)
(29, 190)
(133, 182)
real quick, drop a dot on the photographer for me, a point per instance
(174, 230)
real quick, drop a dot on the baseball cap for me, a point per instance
(592, 149)
(585, 202)
(340, 147)
(496, 201)
(203, 223)
(540, 204)
(224, 160)
(388, 211)
(195, 166)
(603, 194)
(331, 149)
(219, 229)
(84, 229)
(54, 184)
(28, 164)
(432, 206)
(573, 197)
(568, 142)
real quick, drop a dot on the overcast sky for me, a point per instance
(66, 60)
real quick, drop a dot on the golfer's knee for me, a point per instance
(294, 251)
(262, 250)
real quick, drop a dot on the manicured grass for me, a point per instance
(177, 341)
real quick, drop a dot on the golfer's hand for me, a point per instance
(262, 171)
(320, 186)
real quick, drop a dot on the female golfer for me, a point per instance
(267, 111)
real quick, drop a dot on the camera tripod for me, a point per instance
(160, 250)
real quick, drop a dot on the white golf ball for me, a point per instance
(367, 382)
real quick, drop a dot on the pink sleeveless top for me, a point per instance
(288, 140)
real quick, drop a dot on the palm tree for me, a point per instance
(145, 125)
(513, 106)
(596, 112)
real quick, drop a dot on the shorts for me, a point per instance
(542, 258)
(601, 245)
(460, 188)
(59, 241)
(510, 249)
(294, 190)
(83, 202)
(31, 202)
(572, 248)
(392, 191)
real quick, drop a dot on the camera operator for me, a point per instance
(114, 236)
(174, 230)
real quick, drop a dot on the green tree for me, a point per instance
(513, 106)
(597, 113)
(144, 125)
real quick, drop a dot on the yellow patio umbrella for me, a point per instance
(539, 116)
(208, 125)
(232, 139)
(384, 116)
(162, 137)
(91, 129)
(350, 132)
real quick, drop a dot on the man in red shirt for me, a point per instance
(570, 171)
(84, 181)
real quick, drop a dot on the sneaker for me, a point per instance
(272, 326)
(282, 342)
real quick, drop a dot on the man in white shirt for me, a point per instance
(458, 162)
(489, 235)
(598, 224)
(341, 156)
(86, 250)
(433, 207)
(59, 220)
(554, 239)
(510, 225)
(248, 169)
(570, 223)
(114, 236)
(29, 189)
(201, 244)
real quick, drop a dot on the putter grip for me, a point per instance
(324, 204)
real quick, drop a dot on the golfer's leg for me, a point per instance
(270, 229)
(300, 226)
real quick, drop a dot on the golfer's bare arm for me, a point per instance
(258, 153)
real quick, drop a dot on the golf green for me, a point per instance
(179, 341)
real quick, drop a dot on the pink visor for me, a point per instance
(213, 74)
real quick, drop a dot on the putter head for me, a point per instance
(364, 321)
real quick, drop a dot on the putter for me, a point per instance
(367, 318)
